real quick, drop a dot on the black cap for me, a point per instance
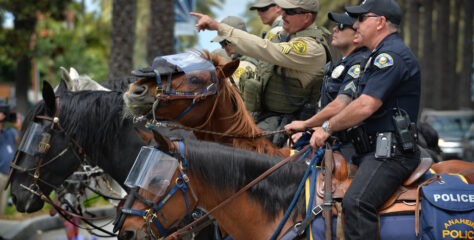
(387, 8)
(343, 18)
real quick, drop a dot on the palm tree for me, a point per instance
(122, 37)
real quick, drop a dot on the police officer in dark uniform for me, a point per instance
(340, 79)
(381, 118)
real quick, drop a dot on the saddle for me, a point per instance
(401, 201)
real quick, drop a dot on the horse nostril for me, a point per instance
(139, 90)
(126, 235)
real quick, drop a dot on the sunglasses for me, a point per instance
(362, 17)
(341, 27)
(224, 43)
(264, 9)
(291, 11)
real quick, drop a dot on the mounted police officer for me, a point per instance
(340, 80)
(247, 64)
(380, 118)
(270, 14)
(290, 72)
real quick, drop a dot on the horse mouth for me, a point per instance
(138, 105)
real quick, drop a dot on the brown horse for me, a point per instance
(253, 215)
(222, 112)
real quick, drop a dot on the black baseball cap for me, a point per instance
(343, 18)
(387, 8)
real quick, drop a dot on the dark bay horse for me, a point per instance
(90, 122)
(253, 215)
(223, 112)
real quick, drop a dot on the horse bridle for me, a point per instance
(44, 147)
(151, 215)
(168, 94)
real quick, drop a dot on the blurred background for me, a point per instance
(106, 39)
(109, 38)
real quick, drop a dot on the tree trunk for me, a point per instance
(122, 38)
(160, 38)
(427, 76)
(443, 85)
(453, 56)
(23, 81)
(414, 28)
(402, 4)
(465, 95)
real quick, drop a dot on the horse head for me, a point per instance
(171, 92)
(43, 142)
(76, 82)
(164, 211)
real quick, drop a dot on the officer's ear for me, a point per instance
(230, 67)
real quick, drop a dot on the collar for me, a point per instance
(277, 22)
(385, 40)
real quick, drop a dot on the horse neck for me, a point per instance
(223, 120)
(120, 155)
(242, 218)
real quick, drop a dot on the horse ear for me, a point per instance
(66, 77)
(162, 142)
(62, 88)
(230, 67)
(49, 98)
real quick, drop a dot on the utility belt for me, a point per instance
(384, 144)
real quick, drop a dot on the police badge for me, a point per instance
(337, 71)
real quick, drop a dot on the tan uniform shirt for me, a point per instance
(303, 57)
(244, 66)
(275, 28)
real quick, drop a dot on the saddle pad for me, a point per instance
(447, 209)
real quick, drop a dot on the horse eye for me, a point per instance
(195, 80)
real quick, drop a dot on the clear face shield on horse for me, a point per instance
(34, 140)
(200, 78)
(152, 171)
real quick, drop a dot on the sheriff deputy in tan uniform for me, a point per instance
(270, 14)
(294, 70)
(247, 64)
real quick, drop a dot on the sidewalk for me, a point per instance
(31, 228)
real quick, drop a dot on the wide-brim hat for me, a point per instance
(261, 4)
(310, 5)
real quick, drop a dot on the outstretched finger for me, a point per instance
(199, 15)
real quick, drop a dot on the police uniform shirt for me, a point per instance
(392, 74)
(343, 77)
(245, 64)
(302, 57)
(275, 28)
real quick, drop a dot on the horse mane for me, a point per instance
(225, 169)
(92, 118)
(243, 123)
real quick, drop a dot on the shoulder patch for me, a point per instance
(354, 71)
(270, 35)
(285, 48)
(238, 72)
(299, 46)
(350, 86)
(383, 60)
